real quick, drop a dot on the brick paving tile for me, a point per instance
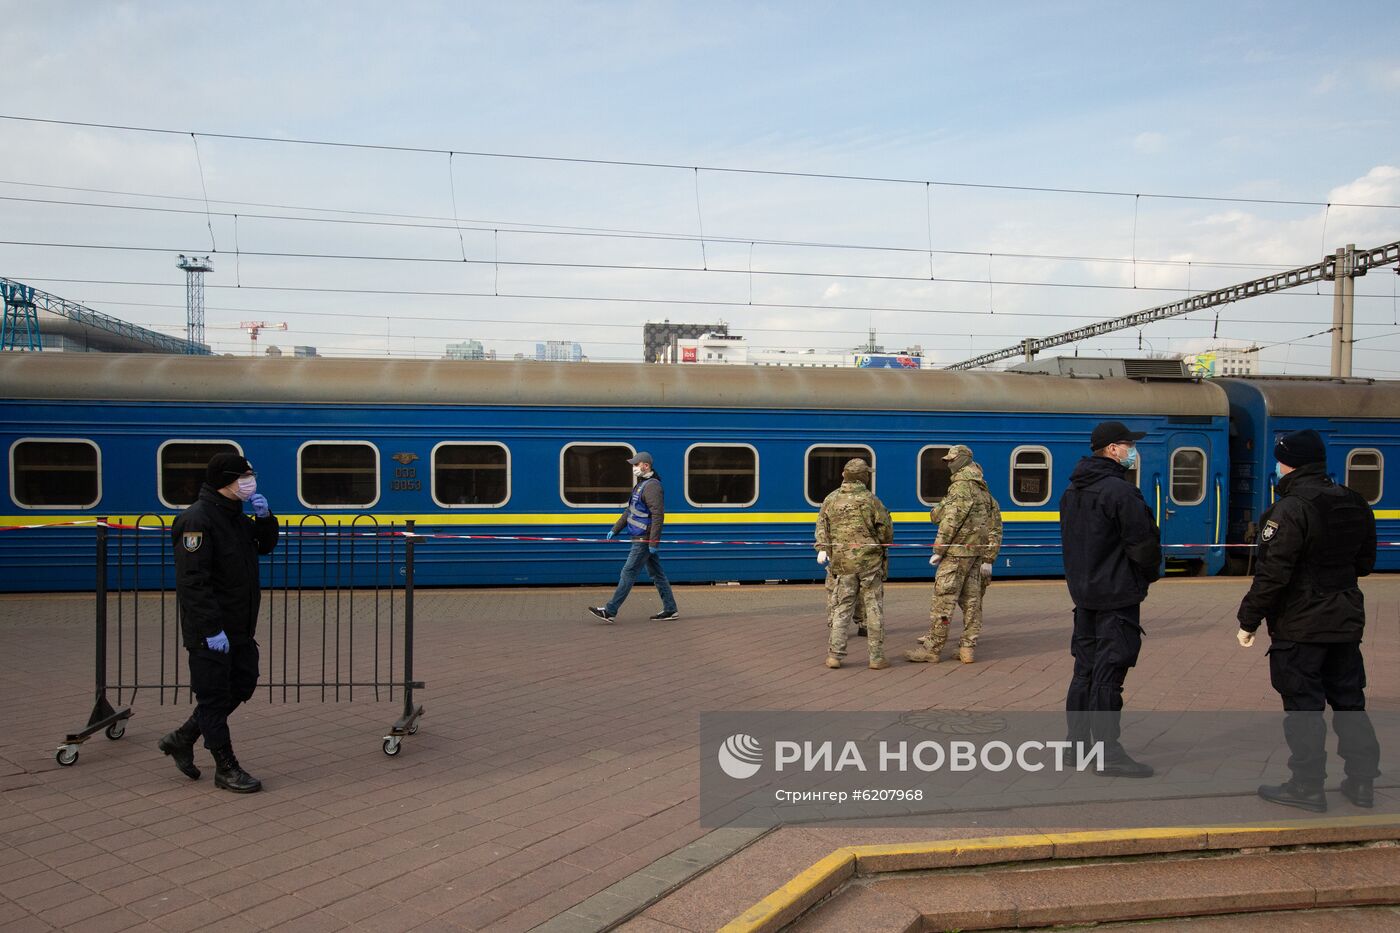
(570, 755)
(71, 913)
(113, 921)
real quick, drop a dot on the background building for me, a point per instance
(466, 350)
(1224, 361)
(726, 348)
(660, 338)
(559, 351)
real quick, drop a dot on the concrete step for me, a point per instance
(1049, 893)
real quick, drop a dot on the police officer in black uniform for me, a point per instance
(1314, 542)
(217, 586)
(1112, 554)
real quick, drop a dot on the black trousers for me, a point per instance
(1310, 676)
(221, 683)
(1105, 644)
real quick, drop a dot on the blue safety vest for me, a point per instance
(638, 512)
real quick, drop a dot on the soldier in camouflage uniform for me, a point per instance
(969, 537)
(853, 530)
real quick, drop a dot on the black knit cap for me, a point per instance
(1301, 448)
(225, 468)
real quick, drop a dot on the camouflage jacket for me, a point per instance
(852, 528)
(968, 518)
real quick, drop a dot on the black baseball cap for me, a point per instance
(1113, 432)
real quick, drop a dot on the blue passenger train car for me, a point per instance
(1358, 418)
(502, 449)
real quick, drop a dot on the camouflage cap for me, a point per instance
(958, 450)
(854, 466)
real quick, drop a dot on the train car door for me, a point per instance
(1187, 494)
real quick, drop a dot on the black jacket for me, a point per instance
(1112, 549)
(1313, 544)
(216, 567)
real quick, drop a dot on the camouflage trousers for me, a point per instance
(959, 583)
(843, 593)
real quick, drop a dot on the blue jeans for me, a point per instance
(640, 556)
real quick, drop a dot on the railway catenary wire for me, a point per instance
(782, 173)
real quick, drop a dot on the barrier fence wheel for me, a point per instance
(413, 729)
(67, 755)
(116, 730)
(391, 745)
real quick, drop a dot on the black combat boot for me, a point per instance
(179, 745)
(228, 775)
(1359, 791)
(1292, 793)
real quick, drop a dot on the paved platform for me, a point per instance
(554, 781)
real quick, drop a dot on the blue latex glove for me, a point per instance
(259, 503)
(218, 643)
(652, 548)
(611, 535)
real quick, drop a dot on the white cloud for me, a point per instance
(1149, 143)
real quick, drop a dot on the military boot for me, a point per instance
(1359, 791)
(1293, 793)
(861, 632)
(179, 745)
(923, 654)
(833, 662)
(229, 775)
(965, 655)
(879, 664)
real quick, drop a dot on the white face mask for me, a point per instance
(245, 487)
(637, 471)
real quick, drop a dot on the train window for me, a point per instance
(824, 469)
(55, 473)
(1030, 475)
(595, 474)
(721, 474)
(336, 474)
(1364, 473)
(1188, 475)
(466, 475)
(934, 477)
(180, 469)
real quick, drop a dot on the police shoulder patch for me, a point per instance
(192, 540)
(1270, 529)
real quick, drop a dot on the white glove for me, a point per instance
(1246, 639)
(822, 557)
(986, 571)
(933, 561)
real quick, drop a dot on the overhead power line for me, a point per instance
(627, 163)
(519, 228)
(602, 266)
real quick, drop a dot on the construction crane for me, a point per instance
(256, 327)
(1348, 264)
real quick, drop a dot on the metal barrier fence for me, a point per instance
(325, 587)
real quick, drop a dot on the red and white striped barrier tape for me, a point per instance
(556, 539)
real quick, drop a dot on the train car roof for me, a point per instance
(158, 377)
(1317, 396)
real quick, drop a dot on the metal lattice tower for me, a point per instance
(20, 328)
(195, 267)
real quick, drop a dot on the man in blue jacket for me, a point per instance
(643, 521)
(1112, 554)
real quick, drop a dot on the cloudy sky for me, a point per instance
(533, 171)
